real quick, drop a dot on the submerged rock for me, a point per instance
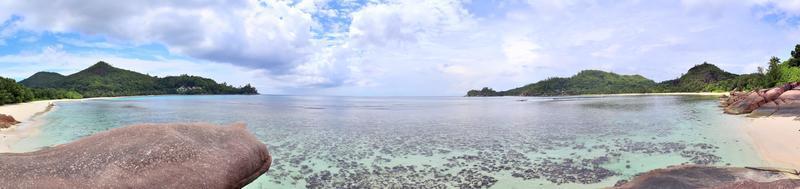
(7, 121)
(711, 177)
(143, 156)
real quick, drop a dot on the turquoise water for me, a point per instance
(447, 142)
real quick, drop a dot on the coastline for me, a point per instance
(630, 94)
(660, 94)
(28, 114)
(775, 139)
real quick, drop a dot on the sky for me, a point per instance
(393, 47)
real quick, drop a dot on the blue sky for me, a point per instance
(394, 48)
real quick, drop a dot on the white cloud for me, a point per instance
(271, 35)
(406, 21)
(521, 52)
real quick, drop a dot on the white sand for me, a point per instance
(27, 113)
(777, 140)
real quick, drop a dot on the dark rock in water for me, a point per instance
(143, 156)
(7, 121)
(710, 177)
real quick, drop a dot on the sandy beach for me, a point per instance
(776, 140)
(27, 114)
(24, 112)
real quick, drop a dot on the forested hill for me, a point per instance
(585, 82)
(696, 79)
(699, 78)
(703, 77)
(103, 80)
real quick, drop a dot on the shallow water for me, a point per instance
(443, 142)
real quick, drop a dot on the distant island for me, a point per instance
(704, 77)
(104, 80)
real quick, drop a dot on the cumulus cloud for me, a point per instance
(406, 21)
(256, 34)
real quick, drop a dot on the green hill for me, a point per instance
(585, 82)
(696, 79)
(43, 80)
(102, 80)
(700, 78)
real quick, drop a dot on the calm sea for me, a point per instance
(441, 142)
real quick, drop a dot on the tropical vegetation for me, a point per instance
(104, 80)
(704, 77)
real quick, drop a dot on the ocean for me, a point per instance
(440, 142)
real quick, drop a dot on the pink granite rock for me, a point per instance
(746, 104)
(773, 93)
(710, 177)
(143, 156)
(7, 121)
(790, 95)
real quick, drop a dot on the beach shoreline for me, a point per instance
(630, 94)
(775, 140)
(28, 114)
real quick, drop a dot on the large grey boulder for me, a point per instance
(143, 156)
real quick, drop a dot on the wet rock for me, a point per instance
(706, 177)
(7, 121)
(143, 156)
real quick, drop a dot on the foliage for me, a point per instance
(585, 82)
(486, 91)
(696, 79)
(795, 59)
(773, 75)
(788, 73)
(50, 93)
(103, 80)
(746, 82)
(11, 92)
(186, 84)
(43, 80)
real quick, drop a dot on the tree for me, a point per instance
(773, 75)
(11, 92)
(795, 59)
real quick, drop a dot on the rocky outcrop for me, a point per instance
(779, 100)
(143, 156)
(7, 121)
(711, 177)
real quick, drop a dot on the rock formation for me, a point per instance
(143, 156)
(711, 177)
(7, 121)
(779, 100)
